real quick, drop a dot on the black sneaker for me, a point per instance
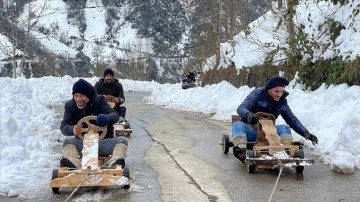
(240, 153)
(120, 162)
(64, 162)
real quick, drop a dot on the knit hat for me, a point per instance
(276, 81)
(83, 87)
(108, 71)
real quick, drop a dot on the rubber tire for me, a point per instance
(126, 173)
(225, 143)
(55, 172)
(251, 154)
(301, 155)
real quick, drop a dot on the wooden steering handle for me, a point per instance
(87, 127)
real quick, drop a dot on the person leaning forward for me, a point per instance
(111, 87)
(86, 102)
(269, 99)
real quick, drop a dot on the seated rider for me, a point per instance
(269, 99)
(86, 102)
(191, 77)
(110, 86)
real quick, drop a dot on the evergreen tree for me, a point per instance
(162, 20)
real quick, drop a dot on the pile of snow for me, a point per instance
(28, 132)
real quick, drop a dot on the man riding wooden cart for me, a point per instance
(93, 154)
(93, 172)
(267, 152)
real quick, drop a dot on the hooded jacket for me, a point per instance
(260, 101)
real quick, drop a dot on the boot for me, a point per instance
(286, 140)
(71, 157)
(121, 119)
(118, 156)
(239, 149)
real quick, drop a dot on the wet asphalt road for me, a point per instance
(176, 156)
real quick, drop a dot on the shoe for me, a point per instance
(239, 153)
(64, 162)
(118, 156)
(118, 162)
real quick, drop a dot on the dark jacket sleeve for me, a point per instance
(120, 93)
(244, 109)
(68, 122)
(292, 121)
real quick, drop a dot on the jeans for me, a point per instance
(106, 145)
(240, 128)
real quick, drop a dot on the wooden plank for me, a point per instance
(90, 151)
(120, 128)
(257, 161)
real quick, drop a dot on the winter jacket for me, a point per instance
(260, 101)
(115, 88)
(96, 105)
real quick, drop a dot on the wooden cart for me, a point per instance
(261, 154)
(92, 173)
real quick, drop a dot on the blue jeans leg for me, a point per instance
(240, 128)
(283, 130)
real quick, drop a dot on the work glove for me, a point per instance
(102, 120)
(252, 119)
(311, 137)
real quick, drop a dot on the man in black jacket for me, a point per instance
(112, 89)
(86, 102)
(269, 99)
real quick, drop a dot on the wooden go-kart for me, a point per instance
(267, 152)
(123, 126)
(91, 174)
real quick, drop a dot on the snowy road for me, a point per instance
(175, 156)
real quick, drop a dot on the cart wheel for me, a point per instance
(54, 176)
(301, 155)
(225, 143)
(126, 173)
(250, 154)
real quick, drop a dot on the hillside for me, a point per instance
(243, 42)
(143, 40)
(319, 40)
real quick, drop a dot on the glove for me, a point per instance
(252, 119)
(311, 137)
(102, 120)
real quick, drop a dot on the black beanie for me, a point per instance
(276, 81)
(83, 87)
(108, 71)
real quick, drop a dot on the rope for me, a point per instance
(277, 180)
(82, 181)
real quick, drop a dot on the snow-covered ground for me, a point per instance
(28, 134)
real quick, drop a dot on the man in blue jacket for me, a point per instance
(269, 99)
(86, 102)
